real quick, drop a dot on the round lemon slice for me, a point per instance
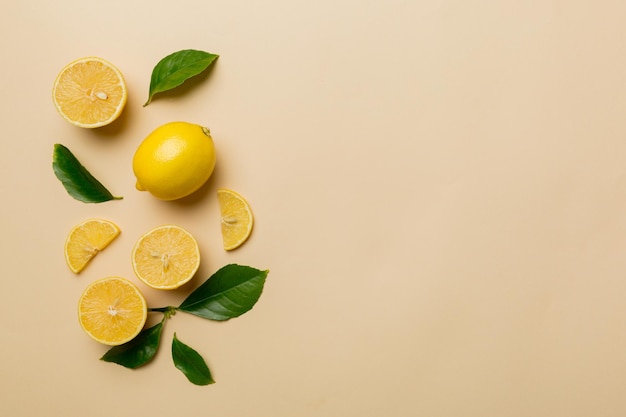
(112, 311)
(166, 257)
(86, 240)
(236, 218)
(90, 92)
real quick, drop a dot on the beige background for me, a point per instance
(439, 188)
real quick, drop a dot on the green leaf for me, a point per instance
(138, 351)
(176, 68)
(78, 182)
(230, 292)
(190, 363)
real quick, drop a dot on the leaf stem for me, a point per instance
(168, 311)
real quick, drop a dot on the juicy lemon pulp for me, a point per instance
(90, 92)
(86, 240)
(175, 160)
(166, 257)
(236, 218)
(112, 311)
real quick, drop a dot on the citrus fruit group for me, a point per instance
(166, 257)
(112, 310)
(90, 92)
(86, 240)
(174, 160)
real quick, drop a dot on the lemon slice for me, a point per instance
(90, 92)
(166, 257)
(112, 310)
(236, 219)
(86, 240)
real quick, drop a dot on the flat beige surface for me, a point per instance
(440, 195)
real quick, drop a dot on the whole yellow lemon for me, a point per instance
(174, 160)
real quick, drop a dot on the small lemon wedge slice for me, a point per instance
(86, 240)
(236, 218)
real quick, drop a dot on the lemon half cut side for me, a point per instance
(90, 92)
(166, 257)
(112, 310)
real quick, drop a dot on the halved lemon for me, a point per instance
(112, 311)
(166, 257)
(236, 218)
(86, 240)
(90, 92)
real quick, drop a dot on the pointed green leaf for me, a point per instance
(190, 363)
(138, 351)
(78, 182)
(176, 68)
(230, 292)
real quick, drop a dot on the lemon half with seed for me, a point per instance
(90, 92)
(112, 311)
(236, 218)
(86, 240)
(166, 257)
